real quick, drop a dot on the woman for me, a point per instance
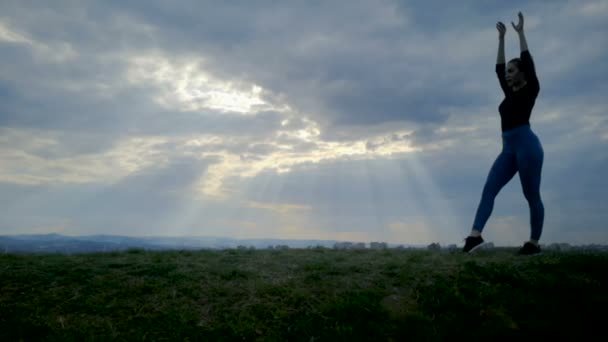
(521, 149)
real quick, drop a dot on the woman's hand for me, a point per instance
(502, 29)
(519, 28)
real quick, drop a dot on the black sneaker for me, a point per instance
(472, 243)
(529, 249)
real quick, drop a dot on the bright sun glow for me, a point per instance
(184, 85)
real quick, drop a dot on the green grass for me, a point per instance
(301, 295)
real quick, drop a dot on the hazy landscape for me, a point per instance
(302, 171)
(57, 243)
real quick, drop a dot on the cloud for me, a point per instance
(133, 205)
(364, 120)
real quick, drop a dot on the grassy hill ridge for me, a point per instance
(301, 295)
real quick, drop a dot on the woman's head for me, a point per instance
(514, 75)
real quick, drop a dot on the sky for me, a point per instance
(333, 120)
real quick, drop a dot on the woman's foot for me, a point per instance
(529, 248)
(472, 243)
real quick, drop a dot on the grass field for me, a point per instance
(302, 295)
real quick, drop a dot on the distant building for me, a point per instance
(378, 245)
(349, 245)
(343, 245)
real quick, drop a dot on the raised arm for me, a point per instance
(502, 29)
(500, 58)
(527, 64)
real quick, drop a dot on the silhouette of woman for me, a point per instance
(521, 148)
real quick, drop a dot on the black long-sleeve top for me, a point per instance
(517, 106)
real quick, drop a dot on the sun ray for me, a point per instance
(434, 203)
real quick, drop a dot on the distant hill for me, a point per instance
(57, 243)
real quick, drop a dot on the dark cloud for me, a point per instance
(360, 68)
(290, 55)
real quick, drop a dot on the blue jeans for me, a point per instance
(523, 152)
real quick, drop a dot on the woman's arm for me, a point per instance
(500, 58)
(523, 44)
(502, 29)
(527, 64)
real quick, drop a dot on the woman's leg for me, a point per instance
(530, 161)
(503, 169)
